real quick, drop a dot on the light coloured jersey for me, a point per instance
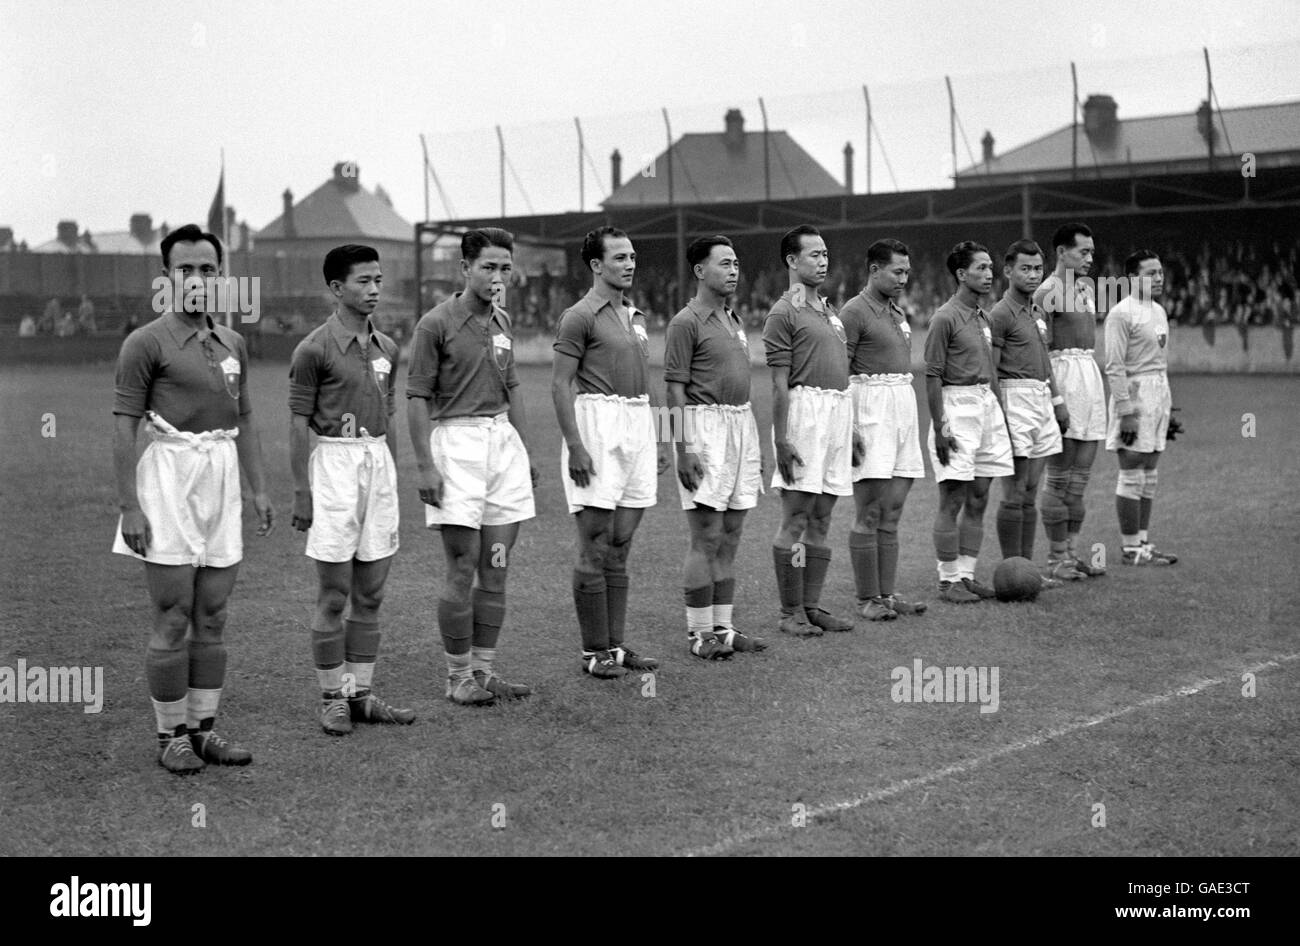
(1137, 342)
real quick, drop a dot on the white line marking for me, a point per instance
(960, 768)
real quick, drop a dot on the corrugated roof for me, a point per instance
(1159, 138)
(706, 169)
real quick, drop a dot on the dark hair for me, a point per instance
(882, 252)
(962, 254)
(340, 260)
(1024, 247)
(475, 242)
(1066, 235)
(792, 242)
(700, 249)
(593, 244)
(190, 233)
(1133, 264)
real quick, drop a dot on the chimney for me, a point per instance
(142, 228)
(245, 242)
(163, 230)
(735, 133)
(1099, 119)
(848, 167)
(987, 142)
(289, 229)
(67, 233)
(230, 226)
(615, 170)
(1205, 124)
(347, 176)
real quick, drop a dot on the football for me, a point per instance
(1017, 579)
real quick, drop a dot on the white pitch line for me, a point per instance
(960, 768)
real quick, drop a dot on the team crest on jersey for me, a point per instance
(838, 326)
(1161, 337)
(230, 372)
(382, 368)
(742, 338)
(501, 348)
(1042, 327)
(904, 326)
(988, 335)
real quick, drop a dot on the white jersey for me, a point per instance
(1137, 343)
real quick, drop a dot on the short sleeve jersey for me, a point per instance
(1071, 322)
(707, 350)
(877, 334)
(959, 349)
(613, 359)
(1020, 335)
(332, 375)
(193, 377)
(810, 343)
(461, 363)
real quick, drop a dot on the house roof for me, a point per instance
(1260, 129)
(707, 168)
(341, 209)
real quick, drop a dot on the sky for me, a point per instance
(109, 109)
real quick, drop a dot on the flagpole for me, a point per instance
(225, 238)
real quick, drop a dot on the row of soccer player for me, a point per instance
(844, 422)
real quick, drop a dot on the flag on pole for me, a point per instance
(217, 212)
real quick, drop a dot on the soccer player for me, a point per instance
(341, 383)
(1069, 304)
(719, 458)
(969, 442)
(1137, 338)
(813, 431)
(880, 366)
(608, 457)
(1036, 412)
(467, 425)
(187, 376)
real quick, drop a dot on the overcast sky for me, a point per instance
(107, 109)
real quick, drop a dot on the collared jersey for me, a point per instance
(1137, 342)
(332, 374)
(195, 380)
(959, 348)
(1020, 332)
(810, 343)
(707, 350)
(463, 364)
(1073, 325)
(612, 360)
(877, 334)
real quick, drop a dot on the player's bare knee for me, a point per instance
(366, 601)
(330, 601)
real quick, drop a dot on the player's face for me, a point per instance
(1079, 256)
(812, 262)
(487, 276)
(978, 276)
(1151, 273)
(891, 279)
(1026, 273)
(617, 265)
(360, 291)
(191, 265)
(720, 273)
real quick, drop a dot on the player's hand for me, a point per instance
(430, 487)
(1175, 425)
(859, 448)
(136, 532)
(1128, 429)
(581, 470)
(1062, 417)
(690, 470)
(786, 458)
(301, 510)
(265, 514)
(945, 445)
(665, 458)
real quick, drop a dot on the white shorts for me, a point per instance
(725, 437)
(819, 426)
(188, 487)
(1034, 430)
(1150, 394)
(1078, 380)
(353, 500)
(619, 434)
(486, 479)
(886, 408)
(975, 419)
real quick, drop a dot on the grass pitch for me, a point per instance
(722, 755)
